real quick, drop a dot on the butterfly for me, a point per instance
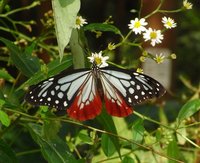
(81, 91)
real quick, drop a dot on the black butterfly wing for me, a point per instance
(57, 91)
(125, 88)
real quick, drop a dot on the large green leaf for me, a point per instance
(53, 67)
(102, 27)
(107, 145)
(173, 151)
(24, 61)
(6, 153)
(138, 132)
(53, 150)
(65, 12)
(189, 109)
(108, 124)
(4, 118)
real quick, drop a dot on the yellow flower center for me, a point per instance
(137, 24)
(169, 24)
(98, 60)
(153, 35)
(78, 21)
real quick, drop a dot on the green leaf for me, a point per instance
(65, 13)
(76, 45)
(107, 145)
(127, 160)
(138, 132)
(27, 64)
(5, 75)
(4, 118)
(6, 153)
(32, 61)
(173, 151)
(107, 122)
(53, 67)
(47, 129)
(102, 27)
(83, 135)
(189, 109)
(53, 150)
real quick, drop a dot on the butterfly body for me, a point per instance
(82, 91)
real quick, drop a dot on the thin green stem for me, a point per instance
(190, 141)
(28, 152)
(35, 3)
(151, 120)
(21, 113)
(140, 10)
(26, 38)
(155, 11)
(170, 11)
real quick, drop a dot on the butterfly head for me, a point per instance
(98, 59)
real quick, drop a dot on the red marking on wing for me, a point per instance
(114, 109)
(89, 111)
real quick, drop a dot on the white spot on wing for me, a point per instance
(51, 79)
(125, 83)
(132, 82)
(57, 87)
(52, 92)
(138, 87)
(64, 87)
(60, 95)
(142, 93)
(129, 100)
(136, 97)
(65, 103)
(131, 90)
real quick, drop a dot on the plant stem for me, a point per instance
(28, 152)
(170, 11)
(35, 3)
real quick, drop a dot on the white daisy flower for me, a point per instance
(140, 70)
(168, 22)
(159, 58)
(80, 21)
(187, 5)
(154, 35)
(137, 25)
(98, 59)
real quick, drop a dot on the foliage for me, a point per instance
(36, 134)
